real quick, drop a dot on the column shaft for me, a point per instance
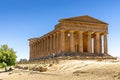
(97, 42)
(39, 48)
(62, 40)
(80, 41)
(57, 42)
(30, 46)
(35, 50)
(100, 43)
(105, 44)
(42, 47)
(51, 44)
(54, 43)
(72, 44)
(89, 46)
(47, 45)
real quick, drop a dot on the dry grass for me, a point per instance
(69, 70)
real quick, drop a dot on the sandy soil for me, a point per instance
(70, 70)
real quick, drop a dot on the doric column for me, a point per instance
(51, 46)
(89, 46)
(30, 51)
(100, 43)
(30, 46)
(42, 47)
(72, 44)
(80, 41)
(94, 43)
(47, 45)
(35, 49)
(57, 42)
(97, 42)
(39, 48)
(54, 41)
(62, 40)
(105, 44)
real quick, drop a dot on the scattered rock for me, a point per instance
(77, 73)
(25, 68)
(50, 65)
(39, 68)
(10, 73)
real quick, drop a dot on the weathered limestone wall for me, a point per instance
(71, 36)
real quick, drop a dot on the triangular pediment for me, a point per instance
(85, 18)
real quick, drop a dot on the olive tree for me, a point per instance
(7, 56)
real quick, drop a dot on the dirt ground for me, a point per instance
(70, 70)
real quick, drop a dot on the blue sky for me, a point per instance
(24, 19)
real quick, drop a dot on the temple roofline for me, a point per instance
(80, 19)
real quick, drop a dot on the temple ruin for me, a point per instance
(75, 36)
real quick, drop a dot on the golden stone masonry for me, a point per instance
(76, 36)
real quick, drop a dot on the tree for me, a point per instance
(7, 55)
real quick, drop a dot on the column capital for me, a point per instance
(53, 34)
(80, 32)
(62, 30)
(50, 36)
(105, 33)
(89, 32)
(57, 32)
(71, 31)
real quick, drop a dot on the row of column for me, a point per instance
(47, 45)
(55, 43)
(97, 42)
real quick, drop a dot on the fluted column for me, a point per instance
(39, 48)
(105, 44)
(62, 40)
(32, 51)
(57, 42)
(35, 50)
(30, 46)
(100, 43)
(72, 44)
(42, 47)
(97, 42)
(89, 46)
(47, 45)
(54, 41)
(94, 43)
(80, 41)
(51, 44)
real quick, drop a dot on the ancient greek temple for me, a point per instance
(77, 35)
